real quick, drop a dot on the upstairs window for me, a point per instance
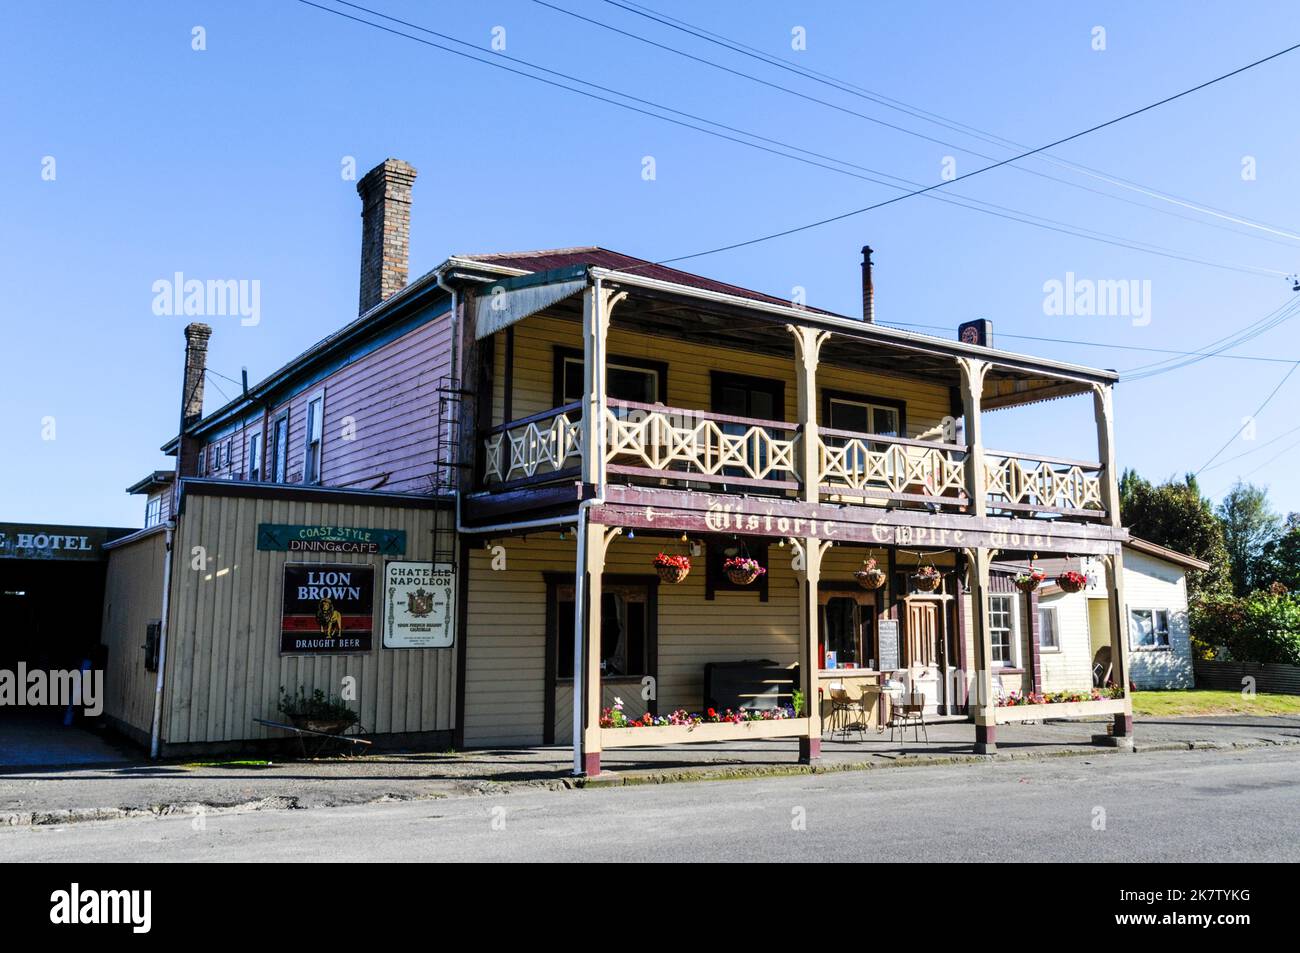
(626, 378)
(153, 511)
(315, 431)
(280, 448)
(254, 471)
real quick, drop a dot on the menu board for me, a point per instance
(887, 638)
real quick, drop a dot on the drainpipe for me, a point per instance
(156, 729)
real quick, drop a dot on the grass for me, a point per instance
(1196, 701)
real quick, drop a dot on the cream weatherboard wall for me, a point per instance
(224, 666)
(133, 590)
(689, 369)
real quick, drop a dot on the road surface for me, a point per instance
(1177, 806)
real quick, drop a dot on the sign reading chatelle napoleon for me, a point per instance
(419, 605)
(327, 609)
(360, 540)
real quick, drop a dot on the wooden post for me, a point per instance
(807, 350)
(983, 704)
(972, 390)
(592, 567)
(597, 304)
(1104, 411)
(1119, 637)
(808, 552)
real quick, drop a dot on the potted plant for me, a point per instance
(870, 576)
(672, 569)
(1029, 581)
(317, 712)
(742, 570)
(927, 578)
(1071, 581)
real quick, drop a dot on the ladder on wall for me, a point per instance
(447, 468)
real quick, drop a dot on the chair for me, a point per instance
(846, 711)
(909, 710)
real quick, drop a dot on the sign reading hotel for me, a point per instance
(350, 540)
(327, 609)
(419, 605)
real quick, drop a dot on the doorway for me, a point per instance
(928, 652)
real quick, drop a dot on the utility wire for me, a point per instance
(910, 132)
(988, 168)
(998, 211)
(1269, 443)
(1251, 331)
(1286, 377)
(951, 124)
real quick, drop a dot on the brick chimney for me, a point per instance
(385, 230)
(868, 288)
(196, 362)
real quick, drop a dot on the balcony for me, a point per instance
(652, 444)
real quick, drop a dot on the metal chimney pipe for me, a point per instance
(868, 289)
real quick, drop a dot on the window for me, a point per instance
(864, 416)
(625, 629)
(758, 397)
(280, 448)
(153, 511)
(624, 380)
(1149, 628)
(254, 457)
(1049, 637)
(315, 430)
(1002, 630)
(203, 461)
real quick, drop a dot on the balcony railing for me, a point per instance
(1021, 483)
(544, 445)
(652, 442)
(649, 440)
(891, 468)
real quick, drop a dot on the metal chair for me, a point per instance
(909, 710)
(846, 711)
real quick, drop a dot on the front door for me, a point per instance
(925, 651)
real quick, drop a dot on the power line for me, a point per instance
(978, 205)
(1224, 463)
(1276, 456)
(1286, 377)
(988, 168)
(1277, 316)
(951, 124)
(910, 132)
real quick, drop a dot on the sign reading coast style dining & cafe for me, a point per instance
(339, 540)
(327, 609)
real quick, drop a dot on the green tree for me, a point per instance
(1250, 528)
(1175, 515)
(1282, 558)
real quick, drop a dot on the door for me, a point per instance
(736, 395)
(925, 651)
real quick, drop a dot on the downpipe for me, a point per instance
(156, 730)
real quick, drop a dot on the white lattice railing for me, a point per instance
(890, 466)
(1027, 482)
(648, 439)
(543, 444)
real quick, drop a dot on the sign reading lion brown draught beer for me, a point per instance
(327, 609)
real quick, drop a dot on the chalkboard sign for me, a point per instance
(887, 636)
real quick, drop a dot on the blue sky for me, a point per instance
(225, 163)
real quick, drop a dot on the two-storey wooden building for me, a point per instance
(542, 426)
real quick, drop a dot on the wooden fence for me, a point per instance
(1282, 679)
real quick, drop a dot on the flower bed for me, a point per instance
(615, 718)
(1058, 698)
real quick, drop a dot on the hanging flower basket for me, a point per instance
(672, 569)
(1071, 581)
(1029, 581)
(869, 576)
(742, 570)
(927, 578)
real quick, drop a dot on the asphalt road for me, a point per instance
(1178, 806)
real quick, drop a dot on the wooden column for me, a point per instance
(1103, 410)
(1119, 637)
(807, 350)
(592, 567)
(983, 702)
(808, 553)
(597, 303)
(972, 390)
